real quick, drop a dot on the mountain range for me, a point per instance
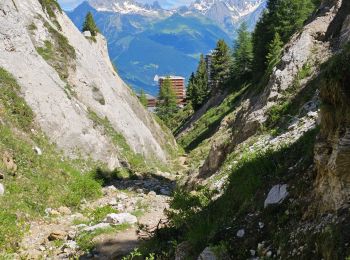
(145, 40)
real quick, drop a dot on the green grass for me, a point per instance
(208, 124)
(85, 240)
(58, 52)
(14, 106)
(136, 161)
(40, 182)
(201, 221)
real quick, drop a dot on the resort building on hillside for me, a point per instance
(178, 84)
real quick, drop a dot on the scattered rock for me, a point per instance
(152, 193)
(122, 196)
(182, 250)
(261, 225)
(2, 189)
(139, 190)
(113, 202)
(165, 192)
(207, 254)
(9, 162)
(97, 226)
(42, 248)
(37, 150)
(1, 176)
(71, 245)
(269, 254)
(240, 233)
(57, 235)
(109, 190)
(252, 252)
(87, 33)
(276, 195)
(64, 210)
(120, 218)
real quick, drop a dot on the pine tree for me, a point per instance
(143, 98)
(197, 90)
(284, 17)
(243, 54)
(275, 51)
(166, 105)
(191, 88)
(221, 64)
(90, 25)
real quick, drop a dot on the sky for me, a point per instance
(71, 4)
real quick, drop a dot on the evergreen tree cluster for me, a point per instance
(278, 23)
(198, 89)
(252, 58)
(90, 25)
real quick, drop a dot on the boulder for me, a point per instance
(87, 33)
(276, 195)
(97, 226)
(57, 235)
(182, 250)
(120, 218)
(64, 210)
(2, 189)
(240, 233)
(207, 254)
(9, 162)
(37, 150)
(165, 191)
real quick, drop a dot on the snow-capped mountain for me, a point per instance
(229, 13)
(128, 7)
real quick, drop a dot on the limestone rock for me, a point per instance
(9, 162)
(37, 150)
(57, 235)
(120, 218)
(182, 250)
(87, 33)
(63, 117)
(97, 226)
(2, 189)
(276, 195)
(240, 233)
(207, 254)
(64, 210)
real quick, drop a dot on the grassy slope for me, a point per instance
(40, 181)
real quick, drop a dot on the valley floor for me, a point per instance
(85, 234)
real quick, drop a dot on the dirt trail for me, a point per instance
(149, 195)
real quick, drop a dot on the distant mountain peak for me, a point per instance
(127, 7)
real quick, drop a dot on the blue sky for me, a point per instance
(70, 4)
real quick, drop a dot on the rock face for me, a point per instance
(276, 195)
(63, 103)
(332, 150)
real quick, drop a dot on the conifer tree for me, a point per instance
(243, 54)
(90, 25)
(221, 65)
(166, 105)
(190, 92)
(197, 90)
(275, 51)
(143, 98)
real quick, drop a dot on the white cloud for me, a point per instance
(71, 4)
